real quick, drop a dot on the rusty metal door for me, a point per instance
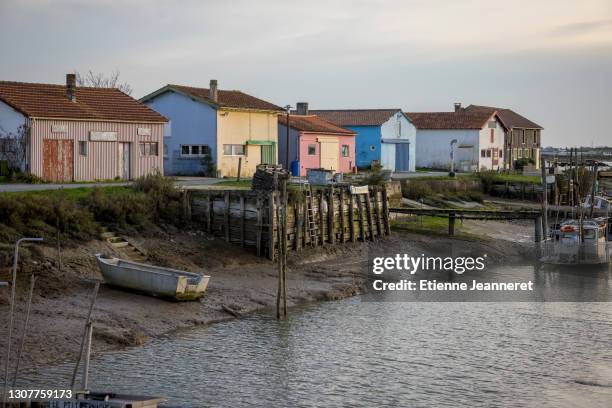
(58, 160)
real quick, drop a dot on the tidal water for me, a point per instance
(357, 353)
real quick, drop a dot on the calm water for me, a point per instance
(364, 354)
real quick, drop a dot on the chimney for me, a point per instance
(457, 107)
(71, 87)
(302, 108)
(213, 92)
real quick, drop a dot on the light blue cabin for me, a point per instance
(190, 135)
(385, 136)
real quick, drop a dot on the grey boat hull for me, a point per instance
(153, 280)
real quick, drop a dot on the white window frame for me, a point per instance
(233, 149)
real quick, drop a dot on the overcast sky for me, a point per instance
(550, 60)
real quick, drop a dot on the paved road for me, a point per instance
(180, 182)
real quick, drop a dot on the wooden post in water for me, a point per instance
(285, 245)
(544, 197)
(451, 224)
(271, 222)
(297, 211)
(538, 229)
(360, 216)
(259, 223)
(239, 168)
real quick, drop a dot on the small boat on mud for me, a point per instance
(153, 280)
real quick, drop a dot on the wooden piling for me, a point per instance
(259, 223)
(209, 213)
(377, 211)
(360, 216)
(271, 212)
(369, 215)
(451, 224)
(352, 216)
(331, 233)
(226, 216)
(297, 210)
(321, 219)
(242, 220)
(341, 215)
(385, 208)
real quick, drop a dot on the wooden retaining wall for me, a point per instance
(249, 218)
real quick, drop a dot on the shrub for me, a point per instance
(416, 190)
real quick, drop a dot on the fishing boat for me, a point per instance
(579, 242)
(106, 400)
(153, 280)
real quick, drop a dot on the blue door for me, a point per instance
(402, 157)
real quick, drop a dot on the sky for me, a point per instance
(549, 60)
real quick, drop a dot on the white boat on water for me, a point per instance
(152, 280)
(579, 243)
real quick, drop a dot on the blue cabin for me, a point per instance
(385, 136)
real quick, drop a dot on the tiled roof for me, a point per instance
(356, 117)
(50, 101)
(227, 99)
(450, 120)
(313, 123)
(508, 117)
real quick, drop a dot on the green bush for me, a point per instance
(416, 190)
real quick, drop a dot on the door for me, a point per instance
(329, 154)
(124, 161)
(402, 157)
(267, 154)
(495, 157)
(58, 160)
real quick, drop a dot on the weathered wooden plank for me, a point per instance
(321, 219)
(369, 216)
(385, 207)
(271, 222)
(341, 215)
(360, 216)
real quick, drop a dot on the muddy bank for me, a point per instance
(240, 282)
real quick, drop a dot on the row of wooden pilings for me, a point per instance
(314, 217)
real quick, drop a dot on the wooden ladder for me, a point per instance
(310, 217)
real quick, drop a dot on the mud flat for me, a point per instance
(240, 284)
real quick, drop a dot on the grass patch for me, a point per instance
(79, 213)
(427, 225)
(235, 183)
(494, 177)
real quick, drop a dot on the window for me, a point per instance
(501, 154)
(483, 153)
(345, 151)
(492, 135)
(372, 148)
(488, 152)
(165, 150)
(83, 148)
(233, 149)
(312, 150)
(194, 150)
(520, 153)
(148, 148)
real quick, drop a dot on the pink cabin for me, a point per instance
(315, 143)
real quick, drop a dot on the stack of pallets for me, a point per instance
(268, 177)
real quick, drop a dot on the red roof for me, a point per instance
(356, 117)
(450, 120)
(508, 117)
(50, 101)
(227, 99)
(313, 123)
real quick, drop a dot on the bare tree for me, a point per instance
(13, 146)
(101, 80)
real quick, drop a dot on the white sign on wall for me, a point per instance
(59, 129)
(143, 131)
(102, 136)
